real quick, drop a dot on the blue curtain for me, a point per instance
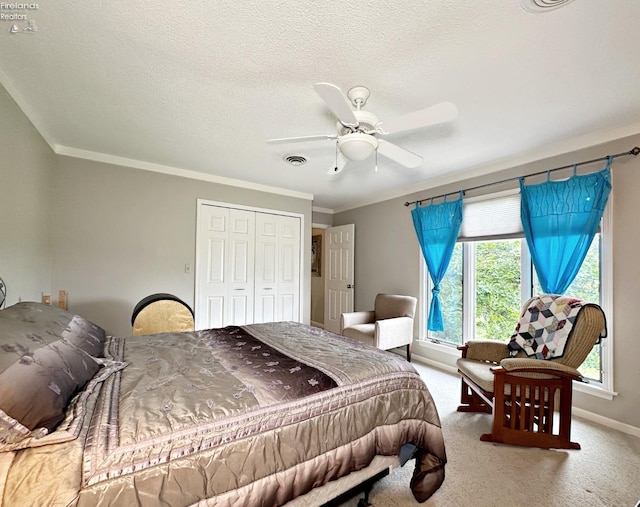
(560, 219)
(437, 227)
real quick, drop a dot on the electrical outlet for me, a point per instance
(188, 268)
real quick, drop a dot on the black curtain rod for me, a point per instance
(634, 151)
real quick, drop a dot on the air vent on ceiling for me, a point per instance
(543, 5)
(295, 159)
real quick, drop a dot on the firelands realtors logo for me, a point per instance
(18, 17)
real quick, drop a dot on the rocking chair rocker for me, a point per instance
(526, 393)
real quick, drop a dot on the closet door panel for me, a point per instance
(265, 307)
(288, 277)
(240, 268)
(266, 267)
(214, 234)
(215, 311)
(288, 307)
(241, 311)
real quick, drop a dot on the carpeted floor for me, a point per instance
(605, 472)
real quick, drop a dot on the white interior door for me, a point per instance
(339, 279)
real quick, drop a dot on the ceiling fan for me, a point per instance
(358, 131)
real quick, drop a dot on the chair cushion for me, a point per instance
(364, 333)
(478, 371)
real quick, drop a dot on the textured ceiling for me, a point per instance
(200, 86)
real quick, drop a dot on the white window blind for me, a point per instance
(492, 217)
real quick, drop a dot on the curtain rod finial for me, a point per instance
(635, 151)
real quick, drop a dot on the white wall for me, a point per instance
(388, 260)
(26, 169)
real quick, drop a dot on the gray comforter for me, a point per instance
(252, 416)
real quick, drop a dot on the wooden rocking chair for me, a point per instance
(526, 394)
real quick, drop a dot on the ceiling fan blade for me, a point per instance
(337, 102)
(303, 138)
(341, 161)
(439, 113)
(400, 155)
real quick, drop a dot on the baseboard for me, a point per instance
(579, 412)
(434, 364)
(317, 324)
(606, 421)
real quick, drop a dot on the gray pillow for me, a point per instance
(47, 356)
(36, 388)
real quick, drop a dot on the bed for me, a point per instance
(257, 415)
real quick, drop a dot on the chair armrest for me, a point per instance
(539, 367)
(394, 332)
(485, 350)
(354, 318)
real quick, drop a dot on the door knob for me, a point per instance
(351, 286)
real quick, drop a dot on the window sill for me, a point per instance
(594, 390)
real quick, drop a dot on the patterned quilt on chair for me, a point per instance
(545, 326)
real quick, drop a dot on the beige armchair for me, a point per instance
(388, 326)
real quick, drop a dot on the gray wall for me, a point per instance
(120, 234)
(107, 234)
(26, 169)
(382, 265)
(322, 218)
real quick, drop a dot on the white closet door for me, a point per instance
(277, 274)
(226, 259)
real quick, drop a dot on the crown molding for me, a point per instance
(318, 209)
(175, 171)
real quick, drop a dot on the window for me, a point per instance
(491, 275)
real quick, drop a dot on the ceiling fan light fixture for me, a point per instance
(357, 146)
